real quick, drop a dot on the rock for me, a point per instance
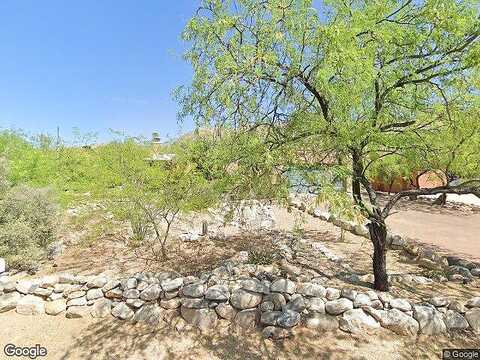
(266, 306)
(473, 302)
(55, 307)
(399, 322)
(204, 319)
(81, 301)
(457, 306)
(151, 293)
(439, 301)
(194, 290)
(75, 312)
(7, 284)
(171, 285)
(475, 272)
(455, 321)
(97, 282)
(377, 304)
(339, 306)
(131, 294)
(385, 297)
(3, 265)
(316, 305)
(277, 299)
(171, 304)
(350, 294)
(270, 317)
(275, 333)
(101, 308)
(26, 287)
(461, 271)
(255, 285)
(49, 281)
(59, 288)
(283, 286)
(225, 311)
(9, 301)
(130, 283)
(54, 249)
(217, 293)
(55, 296)
(332, 294)
(122, 311)
(400, 304)
(194, 303)
(288, 319)
(473, 318)
(150, 314)
(93, 294)
(356, 321)
(66, 278)
(114, 294)
(135, 303)
(169, 295)
(76, 294)
(30, 305)
(362, 300)
(247, 319)
(455, 278)
(42, 292)
(298, 304)
(242, 299)
(398, 242)
(142, 285)
(430, 320)
(110, 285)
(322, 322)
(311, 290)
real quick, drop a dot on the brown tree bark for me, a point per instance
(378, 235)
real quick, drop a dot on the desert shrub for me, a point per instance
(260, 257)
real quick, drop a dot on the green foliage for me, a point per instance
(260, 257)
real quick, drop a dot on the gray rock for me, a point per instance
(135, 303)
(455, 321)
(110, 285)
(42, 292)
(362, 300)
(171, 285)
(97, 282)
(457, 306)
(75, 294)
(475, 272)
(283, 286)
(277, 299)
(194, 290)
(225, 311)
(26, 287)
(3, 265)
(400, 304)
(150, 314)
(430, 320)
(131, 294)
(242, 299)
(122, 311)
(247, 319)
(75, 312)
(9, 301)
(399, 322)
(255, 285)
(55, 307)
(288, 319)
(204, 319)
(130, 283)
(55, 296)
(151, 293)
(49, 281)
(298, 304)
(311, 290)
(266, 306)
(66, 279)
(473, 302)
(316, 305)
(194, 303)
(114, 294)
(7, 284)
(276, 333)
(473, 318)
(270, 317)
(322, 322)
(339, 306)
(142, 285)
(93, 294)
(217, 293)
(30, 305)
(81, 301)
(350, 294)
(439, 301)
(356, 321)
(171, 304)
(101, 308)
(332, 294)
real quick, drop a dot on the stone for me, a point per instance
(362, 300)
(93, 294)
(142, 285)
(461, 271)
(101, 308)
(311, 290)
(276, 333)
(457, 306)
(339, 306)
(266, 306)
(217, 293)
(169, 295)
(277, 299)
(114, 294)
(242, 299)
(171, 285)
(81, 301)
(49, 281)
(55, 296)
(59, 288)
(26, 287)
(283, 286)
(131, 294)
(204, 319)
(174, 303)
(288, 319)
(473, 318)
(122, 311)
(349, 294)
(439, 301)
(151, 293)
(130, 283)
(322, 322)
(75, 312)
(30, 305)
(473, 302)
(430, 320)
(475, 272)
(9, 301)
(55, 307)
(225, 311)
(7, 284)
(194, 290)
(270, 317)
(399, 322)
(75, 294)
(385, 297)
(3, 265)
(356, 321)
(400, 304)
(376, 304)
(194, 303)
(247, 319)
(110, 285)
(42, 292)
(316, 305)
(135, 303)
(298, 304)
(66, 278)
(455, 321)
(332, 294)
(255, 285)
(97, 282)
(150, 314)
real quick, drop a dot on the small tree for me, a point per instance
(359, 81)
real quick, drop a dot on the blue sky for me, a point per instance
(92, 64)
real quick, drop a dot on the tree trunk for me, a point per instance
(441, 200)
(378, 234)
(357, 196)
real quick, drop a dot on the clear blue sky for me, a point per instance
(92, 64)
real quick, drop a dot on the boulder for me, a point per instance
(42, 292)
(349, 294)
(151, 293)
(194, 290)
(247, 319)
(266, 306)
(122, 311)
(316, 305)
(277, 299)
(150, 314)
(94, 294)
(288, 319)
(400, 304)
(135, 303)
(430, 320)
(110, 285)
(439, 301)
(473, 318)
(131, 294)
(114, 294)
(332, 294)
(311, 290)
(362, 300)
(204, 319)
(455, 321)
(270, 317)
(172, 285)
(457, 306)
(339, 306)
(9, 301)
(81, 301)
(26, 287)
(194, 303)
(225, 311)
(171, 304)
(101, 308)
(130, 283)
(97, 282)
(473, 302)
(283, 286)
(399, 322)
(255, 285)
(75, 294)
(7, 284)
(3, 265)
(242, 299)
(356, 321)
(217, 293)
(30, 305)
(276, 333)
(55, 307)
(75, 312)
(322, 322)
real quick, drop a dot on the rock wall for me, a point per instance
(237, 294)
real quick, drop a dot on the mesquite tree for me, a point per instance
(359, 81)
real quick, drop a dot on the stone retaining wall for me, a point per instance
(244, 295)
